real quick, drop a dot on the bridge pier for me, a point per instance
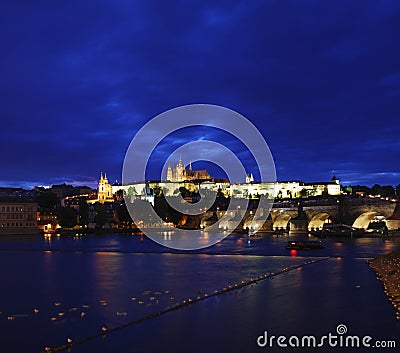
(298, 226)
(267, 226)
(393, 222)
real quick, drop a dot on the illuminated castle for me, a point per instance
(179, 172)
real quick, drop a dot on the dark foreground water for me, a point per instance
(79, 285)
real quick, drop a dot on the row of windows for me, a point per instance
(20, 224)
(12, 216)
(15, 209)
(30, 216)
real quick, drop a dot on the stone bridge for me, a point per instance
(314, 213)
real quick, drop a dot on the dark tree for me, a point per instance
(303, 193)
(387, 191)
(67, 217)
(184, 192)
(157, 191)
(360, 188)
(123, 214)
(83, 213)
(347, 189)
(221, 201)
(101, 215)
(376, 189)
(47, 199)
(165, 211)
(120, 194)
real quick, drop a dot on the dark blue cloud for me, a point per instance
(320, 81)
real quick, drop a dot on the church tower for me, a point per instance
(180, 170)
(169, 173)
(104, 191)
(249, 178)
(335, 180)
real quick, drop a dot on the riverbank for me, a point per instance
(387, 267)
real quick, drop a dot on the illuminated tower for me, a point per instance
(104, 192)
(169, 173)
(249, 178)
(180, 170)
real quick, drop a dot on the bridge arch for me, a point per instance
(282, 221)
(364, 219)
(318, 220)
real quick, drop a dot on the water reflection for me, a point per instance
(100, 276)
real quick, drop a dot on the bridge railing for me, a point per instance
(367, 201)
(331, 202)
(305, 203)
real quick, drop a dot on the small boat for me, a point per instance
(377, 229)
(304, 245)
(254, 235)
(281, 231)
(338, 230)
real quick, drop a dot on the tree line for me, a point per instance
(381, 190)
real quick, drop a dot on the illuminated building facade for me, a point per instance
(179, 173)
(249, 189)
(104, 191)
(18, 217)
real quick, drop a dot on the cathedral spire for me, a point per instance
(101, 175)
(190, 166)
(169, 172)
(180, 160)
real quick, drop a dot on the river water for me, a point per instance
(79, 285)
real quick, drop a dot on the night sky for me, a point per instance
(320, 80)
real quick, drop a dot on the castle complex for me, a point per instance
(179, 173)
(192, 180)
